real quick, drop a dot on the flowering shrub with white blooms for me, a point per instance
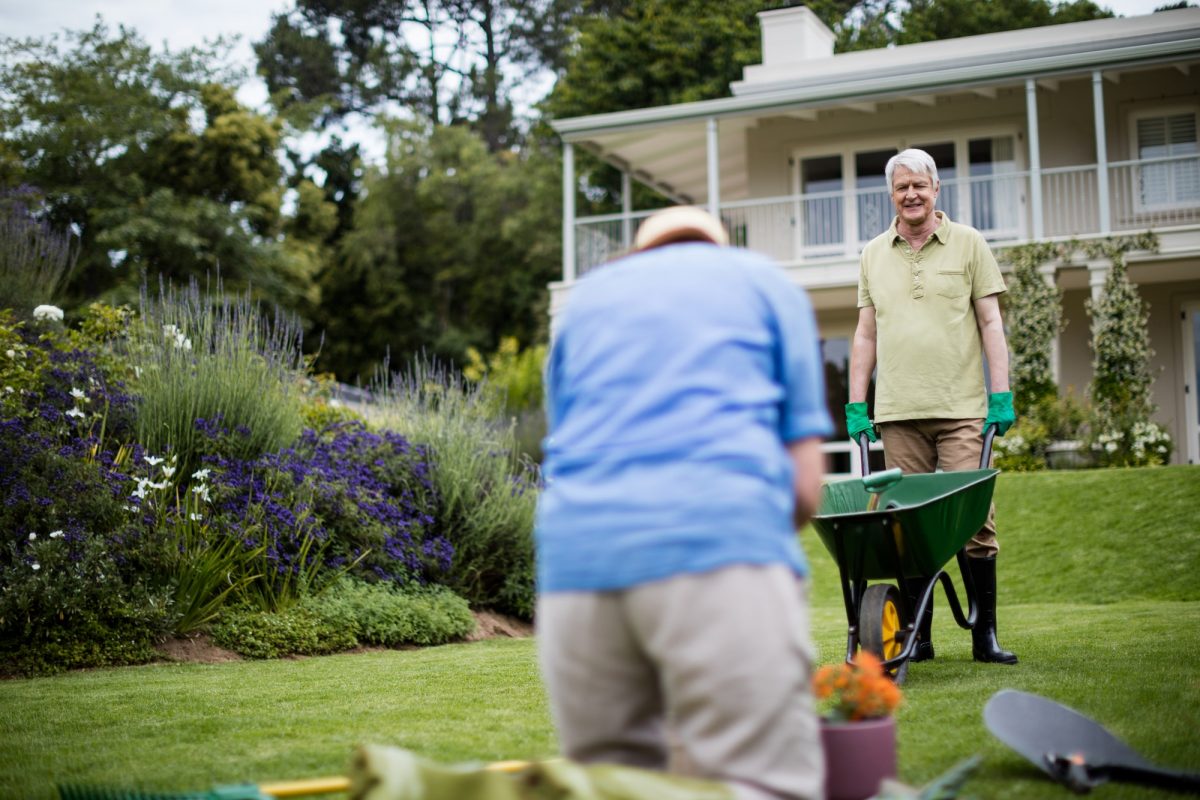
(52, 313)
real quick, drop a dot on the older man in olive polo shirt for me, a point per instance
(929, 310)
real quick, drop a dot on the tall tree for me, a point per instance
(149, 158)
(446, 61)
(452, 248)
(932, 20)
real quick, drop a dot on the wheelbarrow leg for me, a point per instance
(984, 646)
(915, 588)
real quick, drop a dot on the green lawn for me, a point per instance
(1099, 597)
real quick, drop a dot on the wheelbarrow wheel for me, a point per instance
(880, 626)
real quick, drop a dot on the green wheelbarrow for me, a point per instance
(891, 527)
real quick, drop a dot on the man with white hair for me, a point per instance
(929, 306)
(685, 401)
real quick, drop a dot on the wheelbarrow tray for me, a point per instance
(921, 522)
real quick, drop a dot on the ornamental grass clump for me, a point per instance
(35, 260)
(486, 490)
(203, 355)
(857, 691)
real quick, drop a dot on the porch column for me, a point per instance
(714, 164)
(626, 209)
(1035, 158)
(1050, 275)
(568, 221)
(1101, 151)
(1097, 273)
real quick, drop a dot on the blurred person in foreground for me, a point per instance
(685, 401)
(928, 311)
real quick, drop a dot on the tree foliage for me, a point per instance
(446, 61)
(934, 20)
(451, 250)
(150, 158)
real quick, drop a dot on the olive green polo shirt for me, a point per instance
(929, 354)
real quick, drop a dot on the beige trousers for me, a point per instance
(926, 445)
(724, 659)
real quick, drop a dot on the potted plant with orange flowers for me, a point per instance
(858, 731)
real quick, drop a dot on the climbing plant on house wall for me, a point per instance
(1033, 312)
(1122, 380)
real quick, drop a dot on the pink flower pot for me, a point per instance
(858, 756)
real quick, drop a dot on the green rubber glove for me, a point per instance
(858, 423)
(1000, 411)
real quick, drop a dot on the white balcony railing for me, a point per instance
(799, 229)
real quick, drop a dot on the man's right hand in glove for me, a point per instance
(858, 423)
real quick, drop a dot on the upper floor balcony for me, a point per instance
(1009, 206)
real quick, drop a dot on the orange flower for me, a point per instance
(857, 690)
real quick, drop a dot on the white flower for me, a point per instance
(36, 566)
(195, 517)
(48, 312)
(10, 353)
(56, 535)
(9, 389)
(168, 471)
(32, 536)
(159, 486)
(153, 461)
(170, 331)
(137, 372)
(79, 394)
(201, 491)
(75, 412)
(201, 474)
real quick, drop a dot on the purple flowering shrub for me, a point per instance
(74, 590)
(366, 497)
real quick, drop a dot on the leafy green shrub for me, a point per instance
(68, 603)
(296, 631)
(486, 489)
(383, 614)
(1023, 448)
(92, 642)
(215, 358)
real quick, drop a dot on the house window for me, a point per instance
(873, 197)
(821, 185)
(1175, 180)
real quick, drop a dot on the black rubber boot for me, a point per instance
(984, 646)
(913, 588)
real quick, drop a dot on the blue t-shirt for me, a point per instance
(674, 382)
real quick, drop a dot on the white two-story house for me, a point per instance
(1064, 132)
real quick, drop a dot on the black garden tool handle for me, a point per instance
(1081, 777)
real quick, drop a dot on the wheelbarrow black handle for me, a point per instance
(985, 457)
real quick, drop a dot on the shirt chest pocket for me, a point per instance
(951, 282)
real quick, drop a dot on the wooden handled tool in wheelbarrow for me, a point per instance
(1073, 749)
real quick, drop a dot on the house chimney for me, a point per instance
(791, 35)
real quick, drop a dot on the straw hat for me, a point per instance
(679, 224)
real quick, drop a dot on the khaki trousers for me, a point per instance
(926, 445)
(724, 659)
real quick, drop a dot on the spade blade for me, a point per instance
(1072, 748)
